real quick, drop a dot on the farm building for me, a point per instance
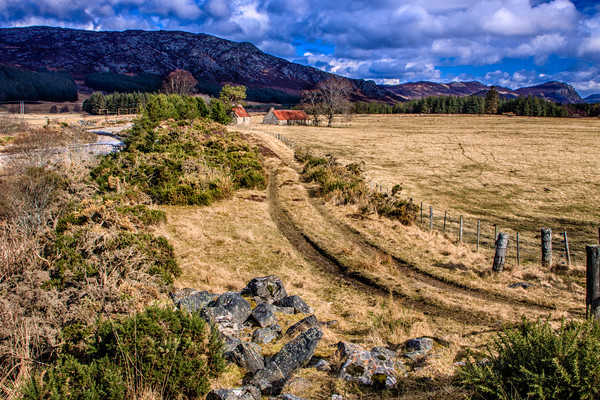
(240, 116)
(286, 117)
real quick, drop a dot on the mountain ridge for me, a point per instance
(214, 61)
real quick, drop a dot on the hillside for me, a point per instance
(210, 59)
(555, 91)
(213, 62)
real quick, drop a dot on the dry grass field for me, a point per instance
(419, 283)
(519, 173)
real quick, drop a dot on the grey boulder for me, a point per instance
(296, 303)
(268, 289)
(264, 314)
(241, 393)
(247, 355)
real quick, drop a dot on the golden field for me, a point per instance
(519, 173)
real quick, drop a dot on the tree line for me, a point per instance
(18, 84)
(523, 106)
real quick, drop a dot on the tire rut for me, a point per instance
(315, 254)
(410, 270)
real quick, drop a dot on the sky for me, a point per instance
(512, 43)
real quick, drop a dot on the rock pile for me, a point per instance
(245, 328)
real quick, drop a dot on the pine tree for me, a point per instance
(491, 101)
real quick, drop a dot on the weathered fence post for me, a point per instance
(567, 252)
(500, 255)
(546, 247)
(478, 229)
(518, 250)
(460, 232)
(445, 215)
(592, 285)
(430, 218)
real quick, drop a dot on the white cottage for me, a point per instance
(240, 116)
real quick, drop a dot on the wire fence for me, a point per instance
(525, 246)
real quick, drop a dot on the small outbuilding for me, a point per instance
(286, 117)
(240, 116)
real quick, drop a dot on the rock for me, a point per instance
(295, 302)
(288, 396)
(323, 365)
(269, 288)
(286, 310)
(293, 355)
(191, 299)
(345, 349)
(420, 344)
(230, 342)
(264, 315)
(371, 368)
(230, 307)
(265, 335)
(243, 393)
(523, 285)
(308, 322)
(418, 347)
(336, 397)
(247, 355)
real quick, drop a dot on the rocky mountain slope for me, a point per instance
(555, 91)
(212, 61)
(209, 58)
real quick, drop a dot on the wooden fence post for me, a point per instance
(430, 218)
(445, 215)
(567, 252)
(460, 232)
(546, 247)
(500, 255)
(518, 250)
(592, 285)
(478, 228)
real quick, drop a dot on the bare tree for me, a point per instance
(179, 82)
(334, 94)
(312, 105)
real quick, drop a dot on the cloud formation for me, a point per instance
(507, 42)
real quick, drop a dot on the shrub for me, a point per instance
(534, 361)
(346, 185)
(172, 353)
(182, 165)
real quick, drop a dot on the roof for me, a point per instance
(290, 115)
(240, 112)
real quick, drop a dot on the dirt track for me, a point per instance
(308, 245)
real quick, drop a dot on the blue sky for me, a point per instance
(513, 43)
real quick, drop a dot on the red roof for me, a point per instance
(290, 115)
(240, 112)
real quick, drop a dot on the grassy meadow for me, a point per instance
(519, 173)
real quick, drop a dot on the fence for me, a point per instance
(524, 246)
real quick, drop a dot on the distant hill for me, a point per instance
(554, 91)
(108, 60)
(593, 98)
(212, 61)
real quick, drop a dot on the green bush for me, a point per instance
(172, 353)
(534, 361)
(182, 165)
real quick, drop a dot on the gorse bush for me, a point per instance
(345, 184)
(171, 353)
(534, 361)
(182, 165)
(103, 242)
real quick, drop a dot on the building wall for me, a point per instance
(270, 118)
